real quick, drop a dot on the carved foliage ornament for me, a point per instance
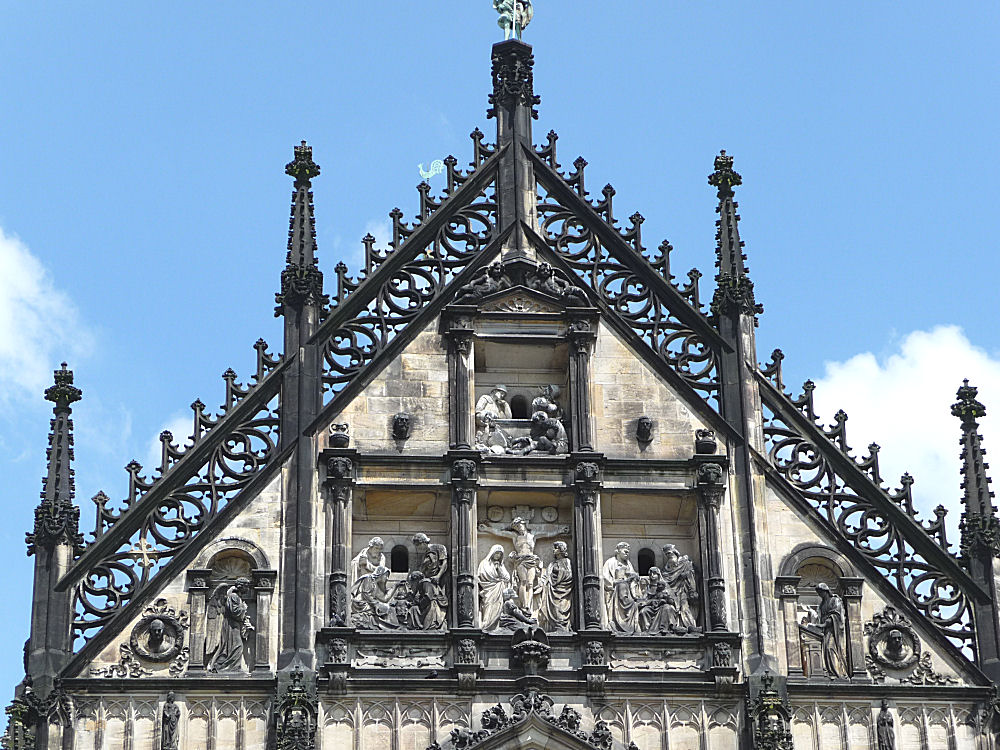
(295, 715)
(734, 294)
(768, 717)
(57, 523)
(513, 80)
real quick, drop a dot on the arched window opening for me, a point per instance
(399, 559)
(646, 561)
(519, 407)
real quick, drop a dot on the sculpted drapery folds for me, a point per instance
(368, 559)
(679, 577)
(171, 718)
(432, 563)
(370, 597)
(527, 577)
(229, 627)
(830, 627)
(494, 579)
(621, 591)
(557, 591)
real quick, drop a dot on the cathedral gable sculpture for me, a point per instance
(513, 452)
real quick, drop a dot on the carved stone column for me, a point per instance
(586, 540)
(459, 332)
(198, 602)
(464, 473)
(263, 584)
(711, 488)
(851, 589)
(340, 467)
(787, 587)
(582, 335)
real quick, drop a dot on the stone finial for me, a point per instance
(967, 408)
(63, 393)
(724, 178)
(302, 167)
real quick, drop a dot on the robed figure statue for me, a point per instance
(621, 591)
(557, 591)
(229, 626)
(494, 579)
(831, 624)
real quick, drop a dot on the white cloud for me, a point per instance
(39, 324)
(179, 425)
(903, 402)
(381, 230)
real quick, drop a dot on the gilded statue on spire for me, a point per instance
(515, 15)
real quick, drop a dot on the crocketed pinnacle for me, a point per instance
(57, 519)
(979, 525)
(734, 290)
(301, 280)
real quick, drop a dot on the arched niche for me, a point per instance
(801, 571)
(224, 563)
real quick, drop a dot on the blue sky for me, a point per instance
(143, 205)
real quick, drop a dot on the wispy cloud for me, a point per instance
(39, 324)
(902, 402)
(179, 425)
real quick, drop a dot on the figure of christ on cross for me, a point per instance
(527, 565)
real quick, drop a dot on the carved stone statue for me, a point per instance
(885, 731)
(547, 436)
(168, 724)
(527, 565)
(658, 610)
(370, 597)
(679, 576)
(621, 591)
(557, 591)
(489, 281)
(424, 605)
(368, 559)
(512, 616)
(489, 408)
(433, 564)
(494, 579)
(547, 401)
(831, 628)
(515, 15)
(228, 626)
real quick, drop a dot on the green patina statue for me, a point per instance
(515, 15)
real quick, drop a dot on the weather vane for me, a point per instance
(515, 15)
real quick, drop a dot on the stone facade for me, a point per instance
(514, 489)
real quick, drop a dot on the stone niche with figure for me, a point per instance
(820, 596)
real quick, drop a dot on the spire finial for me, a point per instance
(57, 519)
(302, 167)
(725, 178)
(513, 79)
(62, 394)
(734, 290)
(979, 525)
(301, 281)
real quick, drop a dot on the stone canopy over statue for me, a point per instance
(515, 15)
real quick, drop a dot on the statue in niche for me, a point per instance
(621, 591)
(547, 401)
(512, 615)
(494, 579)
(658, 610)
(885, 732)
(489, 408)
(679, 576)
(547, 436)
(370, 597)
(829, 628)
(368, 559)
(527, 565)
(433, 564)
(419, 605)
(557, 591)
(171, 718)
(229, 626)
